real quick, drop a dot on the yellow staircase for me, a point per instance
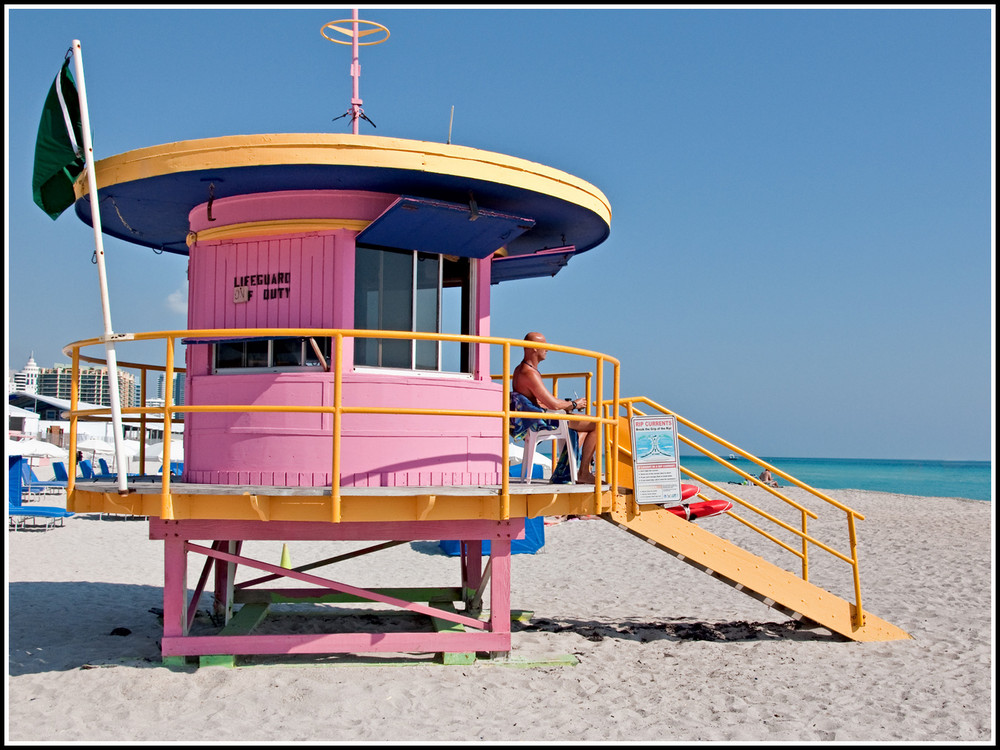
(751, 574)
(784, 591)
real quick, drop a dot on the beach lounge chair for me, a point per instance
(105, 472)
(60, 471)
(19, 513)
(87, 468)
(31, 483)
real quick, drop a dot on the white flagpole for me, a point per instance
(109, 335)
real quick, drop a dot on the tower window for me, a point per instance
(405, 290)
(284, 353)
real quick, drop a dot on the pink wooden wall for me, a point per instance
(315, 261)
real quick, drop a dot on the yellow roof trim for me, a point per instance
(348, 150)
(273, 227)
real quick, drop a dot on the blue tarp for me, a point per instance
(534, 540)
(534, 529)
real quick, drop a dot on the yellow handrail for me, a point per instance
(338, 406)
(169, 410)
(850, 558)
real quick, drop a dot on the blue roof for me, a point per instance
(441, 188)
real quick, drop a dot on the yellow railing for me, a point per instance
(851, 557)
(340, 338)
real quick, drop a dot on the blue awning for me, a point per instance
(434, 226)
(530, 265)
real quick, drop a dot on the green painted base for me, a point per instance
(250, 615)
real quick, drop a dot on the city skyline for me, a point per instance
(93, 385)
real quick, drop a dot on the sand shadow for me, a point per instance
(66, 625)
(673, 629)
(428, 548)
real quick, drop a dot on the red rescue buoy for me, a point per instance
(707, 509)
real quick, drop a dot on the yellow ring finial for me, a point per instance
(349, 32)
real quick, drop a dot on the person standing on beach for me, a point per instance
(527, 382)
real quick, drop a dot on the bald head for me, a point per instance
(534, 355)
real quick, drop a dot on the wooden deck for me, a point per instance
(357, 504)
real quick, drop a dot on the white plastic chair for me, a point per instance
(561, 436)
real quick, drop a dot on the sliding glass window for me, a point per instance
(404, 290)
(277, 354)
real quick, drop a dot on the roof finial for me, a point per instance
(356, 112)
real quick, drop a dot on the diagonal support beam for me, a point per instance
(337, 586)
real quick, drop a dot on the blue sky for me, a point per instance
(801, 250)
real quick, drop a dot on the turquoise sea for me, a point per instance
(969, 479)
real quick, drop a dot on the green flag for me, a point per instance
(59, 155)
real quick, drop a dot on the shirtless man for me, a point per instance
(527, 381)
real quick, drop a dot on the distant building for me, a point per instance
(178, 394)
(57, 382)
(25, 381)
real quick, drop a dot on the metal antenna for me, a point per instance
(355, 34)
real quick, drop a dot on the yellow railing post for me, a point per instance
(599, 441)
(142, 422)
(338, 380)
(631, 507)
(505, 467)
(805, 545)
(615, 436)
(166, 502)
(859, 613)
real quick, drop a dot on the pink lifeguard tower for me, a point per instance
(342, 383)
(338, 374)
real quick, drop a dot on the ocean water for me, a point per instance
(969, 479)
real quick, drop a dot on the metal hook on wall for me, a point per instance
(211, 199)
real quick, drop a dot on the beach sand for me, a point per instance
(665, 652)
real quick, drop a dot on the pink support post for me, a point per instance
(472, 564)
(500, 588)
(174, 587)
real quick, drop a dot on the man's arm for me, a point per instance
(530, 383)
